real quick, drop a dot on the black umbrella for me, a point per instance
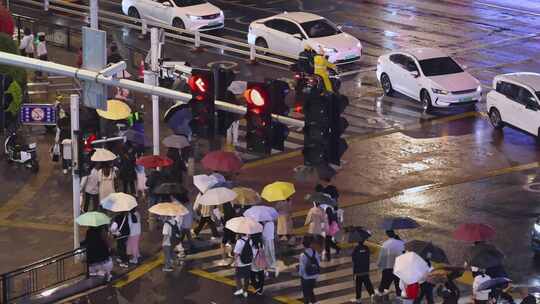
(485, 258)
(321, 199)
(170, 188)
(358, 234)
(494, 283)
(395, 223)
(427, 250)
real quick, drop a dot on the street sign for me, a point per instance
(94, 59)
(94, 95)
(38, 114)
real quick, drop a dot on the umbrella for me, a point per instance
(176, 141)
(395, 223)
(119, 202)
(473, 232)
(321, 199)
(262, 213)
(216, 196)
(102, 155)
(170, 188)
(313, 174)
(243, 225)
(138, 138)
(427, 251)
(183, 129)
(359, 234)
(246, 196)
(277, 191)
(494, 283)
(154, 161)
(410, 268)
(116, 110)
(204, 182)
(93, 219)
(169, 209)
(177, 114)
(222, 161)
(485, 256)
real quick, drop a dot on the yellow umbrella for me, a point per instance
(246, 196)
(278, 191)
(116, 110)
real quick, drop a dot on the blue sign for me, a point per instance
(38, 114)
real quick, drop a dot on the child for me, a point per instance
(360, 258)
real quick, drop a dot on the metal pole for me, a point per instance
(94, 14)
(74, 105)
(154, 45)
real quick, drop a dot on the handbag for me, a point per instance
(332, 229)
(55, 153)
(260, 260)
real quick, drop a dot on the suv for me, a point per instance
(515, 102)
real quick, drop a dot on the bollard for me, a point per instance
(197, 47)
(252, 54)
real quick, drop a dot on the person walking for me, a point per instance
(206, 219)
(426, 289)
(90, 188)
(26, 48)
(309, 268)
(127, 173)
(107, 181)
(98, 254)
(134, 221)
(257, 270)
(120, 230)
(228, 235)
(154, 179)
(187, 223)
(268, 236)
(331, 230)
(66, 155)
(41, 51)
(390, 250)
(321, 69)
(284, 221)
(316, 219)
(480, 276)
(243, 257)
(169, 226)
(360, 258)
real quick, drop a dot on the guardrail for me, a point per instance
(197, 39)
(51, 272)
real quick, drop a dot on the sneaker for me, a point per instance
(355, 301)
(167, 269)
(65, 171)
(213, 238)
(123, 265)
(259, 291)
(245, 294)
(238, 292)
(276, 272)
(118, 260)
(134, 261)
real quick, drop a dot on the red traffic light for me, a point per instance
(256, 96)
(198, 85)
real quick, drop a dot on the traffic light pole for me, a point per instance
(74, 106)
(154, 46)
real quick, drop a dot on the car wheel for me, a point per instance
(134, 13)
(426, 101)
(386, 85)
(260, 42)
(179, 24)
(495, 119)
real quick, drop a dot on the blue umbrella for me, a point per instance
(183, 129)
(138, 138)
(494, 283)
(178, 115)
(395, 223)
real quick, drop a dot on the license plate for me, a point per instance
(465, 99)
(350, 56)
(212, 23)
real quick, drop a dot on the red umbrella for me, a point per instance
(473, 232)
(154, 161)
(222, 161)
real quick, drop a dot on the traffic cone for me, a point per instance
(141, 71)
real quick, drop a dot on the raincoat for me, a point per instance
(321, 69)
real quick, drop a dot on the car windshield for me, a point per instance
(320, 28)
(184, 3)
(440, 66)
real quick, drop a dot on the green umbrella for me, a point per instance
(93, 219)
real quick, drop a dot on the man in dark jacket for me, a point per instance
(360, 258)
(127, 173)
(120, 230)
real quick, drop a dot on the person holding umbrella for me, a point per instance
(390, 250)
(480, 276)
(98, 255)
(134, 221)
(106, 180)
(360, 258)
(121, 203)
(259, 264)
(90, 188)
(228, 236)
(284, 221)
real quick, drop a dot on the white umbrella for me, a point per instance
(118, 202)
(243, 225)
(102, 155)
(411, 268)
(204, 182)
(262, 213)
(216, 196)
(169, 209)
(176, 141)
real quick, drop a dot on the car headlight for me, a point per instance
(440, 92)
(537, 227)
(193, 17)
(479, 88)
(329, 50)
(359, 45)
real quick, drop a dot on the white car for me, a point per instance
(290, 32)
(193, 15)
(429, 76)
(515, 101)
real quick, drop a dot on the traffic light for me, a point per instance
(223, 78)
(317, 112)
(201, 84)
(258, 118)
(338, 124)
(278, 90)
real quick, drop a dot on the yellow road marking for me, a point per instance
(140, 271)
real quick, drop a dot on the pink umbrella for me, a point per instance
(154, 161)
(474, 232)
(222, 161)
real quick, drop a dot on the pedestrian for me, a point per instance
(390, 250)
(134, 236)
(26, 48)
(66, 155)
(179, 199)
(90, 188)
(409, 292)
(321, 69)
(331, 230)
(206, 219)
(309, 267)
(316, 219)
(228, 235)
(187, 223)
(480, 276)
(176, 171)
(98, 254)
(243, 257)
(126, 172)
(120, 230)
(107, 181)
(426, 288)
(153, 180)
(284, 221)
(449, 291)
(259, 264)
(360, 258)
(169, 227)
(268, 236)
(41, 51)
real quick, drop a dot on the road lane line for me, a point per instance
(141, 270)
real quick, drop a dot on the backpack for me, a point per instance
(246, 256)
(175, 231)
(312, 265)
